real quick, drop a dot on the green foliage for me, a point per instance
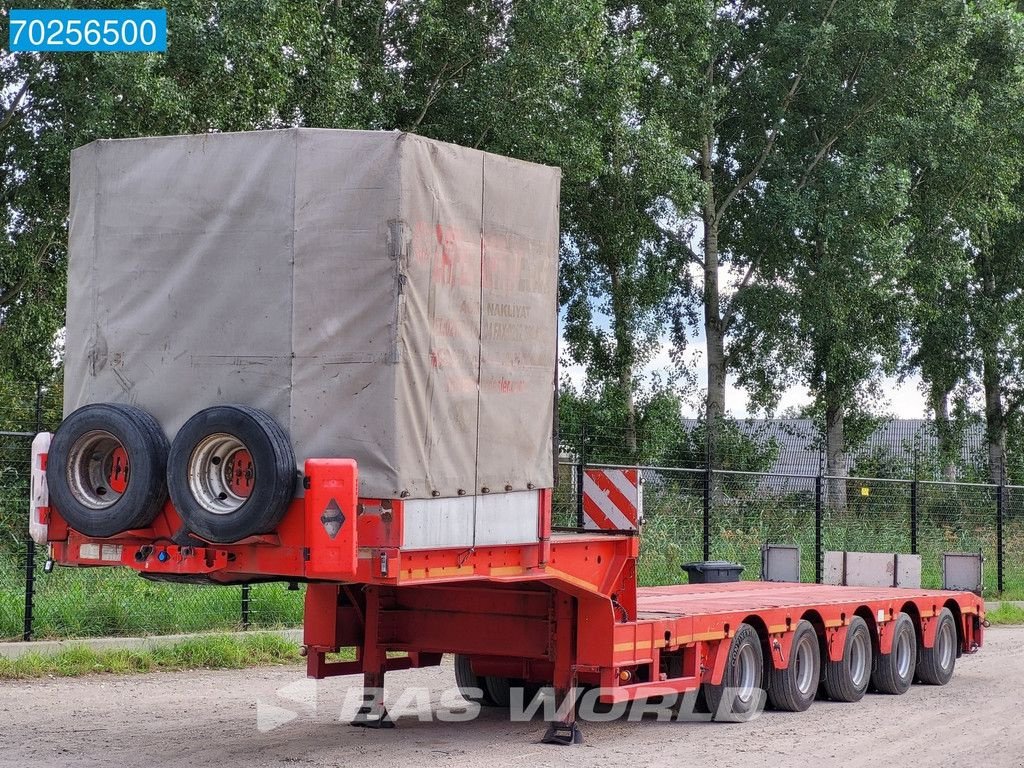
(880, 461)
(734, 449)
(966, 164)
(826, 232)
(24, 408)
(593, 423)
(510, 78)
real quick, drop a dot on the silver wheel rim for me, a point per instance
(804, 661)
(944, 645)
(211, 469)
(92, 462)
(859, 660)
(746, 676)
(903, 651)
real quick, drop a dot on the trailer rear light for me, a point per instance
(39, 498)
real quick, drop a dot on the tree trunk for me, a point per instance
(991, 372)
(995, 416)
(944, 433)
(626, 382)
(835, 445)
(714, 331)
(625, 356)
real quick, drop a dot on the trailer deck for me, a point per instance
(706, 600)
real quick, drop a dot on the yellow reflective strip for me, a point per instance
(509, 570)
(589, 585)
(708, 636)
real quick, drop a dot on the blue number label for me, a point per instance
(70, 30)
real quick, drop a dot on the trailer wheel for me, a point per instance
(848, 678)
(793, 689)
(471, 686)
(893, 672)
(499, 691)
(740, 695)
(106, 469)
(231, 473)
(935, 665)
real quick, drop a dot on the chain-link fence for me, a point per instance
(83, 602)
(768, 486)
(692, 515)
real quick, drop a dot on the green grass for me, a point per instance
(97, 602)
(1006, 613)
(206, 652)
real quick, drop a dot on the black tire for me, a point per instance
(471, 686)
(848, 679)
(106, 470)
(499, 691)
(793, 689)
(742, 680)
(202, 482)
(935, 665)
(893, 672)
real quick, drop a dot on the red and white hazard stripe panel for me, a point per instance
(612, 499)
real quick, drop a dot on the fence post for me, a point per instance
(245, 606)
(708, 486)
(581, 462)
(707, 514)
(913, 517)
(30, 549)
(30, 582)
(817, 529)
(1000, 513)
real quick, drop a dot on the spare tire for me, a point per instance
(106, 469)
(231, 473)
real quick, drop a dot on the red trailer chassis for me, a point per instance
(564, 610)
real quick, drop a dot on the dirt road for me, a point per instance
(274, 717)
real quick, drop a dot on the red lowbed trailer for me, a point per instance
(399, 461)
(565, 611)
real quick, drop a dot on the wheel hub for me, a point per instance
(221, 473)
(98, 469)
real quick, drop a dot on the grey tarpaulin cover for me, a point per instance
(386, 297)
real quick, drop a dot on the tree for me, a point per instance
(496, 75)
(615, 260)
(828, 312)
(784, 86)
(965, 256)
(233, 66)
(823, 230)
(591, 421)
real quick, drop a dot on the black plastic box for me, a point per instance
(713, 572)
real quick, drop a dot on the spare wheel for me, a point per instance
(106, 469)
(231, 473)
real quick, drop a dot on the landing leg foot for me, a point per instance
(564, 734)
(370, 716)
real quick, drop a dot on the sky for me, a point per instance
(905, 399)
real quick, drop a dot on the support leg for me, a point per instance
(564, 730)
(373, 714)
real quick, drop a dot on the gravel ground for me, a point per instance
(273, 717)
